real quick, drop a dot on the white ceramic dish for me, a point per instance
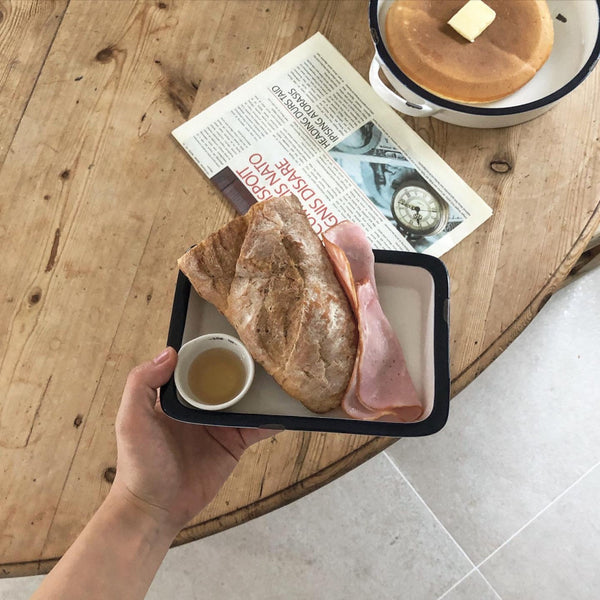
(193, 348)
(574, 54)
(414, 294)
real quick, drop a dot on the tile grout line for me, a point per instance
(475, 567)
(538, 514)
(410, 485)
(473, 570)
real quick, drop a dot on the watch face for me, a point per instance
(418, 212)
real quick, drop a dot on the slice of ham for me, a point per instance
(384, 383)
(352, 243)
(350, 402)
(343, 270)
(380, 384)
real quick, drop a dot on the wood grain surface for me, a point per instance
(97, 201)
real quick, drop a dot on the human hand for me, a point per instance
(171, 470)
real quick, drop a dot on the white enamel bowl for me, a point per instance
(574, 54)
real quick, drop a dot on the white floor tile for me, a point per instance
(365, 535)
(557, 555)
(522, 432)
(19, 588)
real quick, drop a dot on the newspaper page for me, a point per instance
(311, 126)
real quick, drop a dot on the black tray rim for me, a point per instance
(172, 407)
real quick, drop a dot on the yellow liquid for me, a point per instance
(216, 376)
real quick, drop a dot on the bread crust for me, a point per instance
(269, 274)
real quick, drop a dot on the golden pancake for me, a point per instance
(500, 61)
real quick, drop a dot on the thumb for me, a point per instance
(145, 379)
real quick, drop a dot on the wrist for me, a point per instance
(153, 522)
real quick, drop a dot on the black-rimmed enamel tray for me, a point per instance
(413, 290)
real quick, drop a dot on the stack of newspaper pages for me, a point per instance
(311, 126)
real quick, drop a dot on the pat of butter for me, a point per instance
(472, 19)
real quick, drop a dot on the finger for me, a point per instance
(145, 379)
(252, 436)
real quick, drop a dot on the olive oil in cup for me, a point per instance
(213, 371)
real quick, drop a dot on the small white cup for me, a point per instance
(188, 353)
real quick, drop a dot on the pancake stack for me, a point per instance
(499, 62)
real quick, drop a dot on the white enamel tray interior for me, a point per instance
(407, 298)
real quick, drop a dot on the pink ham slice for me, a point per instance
(380, 383)
(350, 402)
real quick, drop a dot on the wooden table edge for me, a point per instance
(371, 447)
(513, 330)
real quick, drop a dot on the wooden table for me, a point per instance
(97, 201)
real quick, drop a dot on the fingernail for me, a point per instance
(161, 357)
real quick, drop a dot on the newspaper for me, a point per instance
(311, 126)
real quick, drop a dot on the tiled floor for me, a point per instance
(503, 503)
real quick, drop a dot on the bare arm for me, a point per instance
(116, 555)
(167, 472)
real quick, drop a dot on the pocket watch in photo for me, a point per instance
(418, 211)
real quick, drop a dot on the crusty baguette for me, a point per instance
(269, 274)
